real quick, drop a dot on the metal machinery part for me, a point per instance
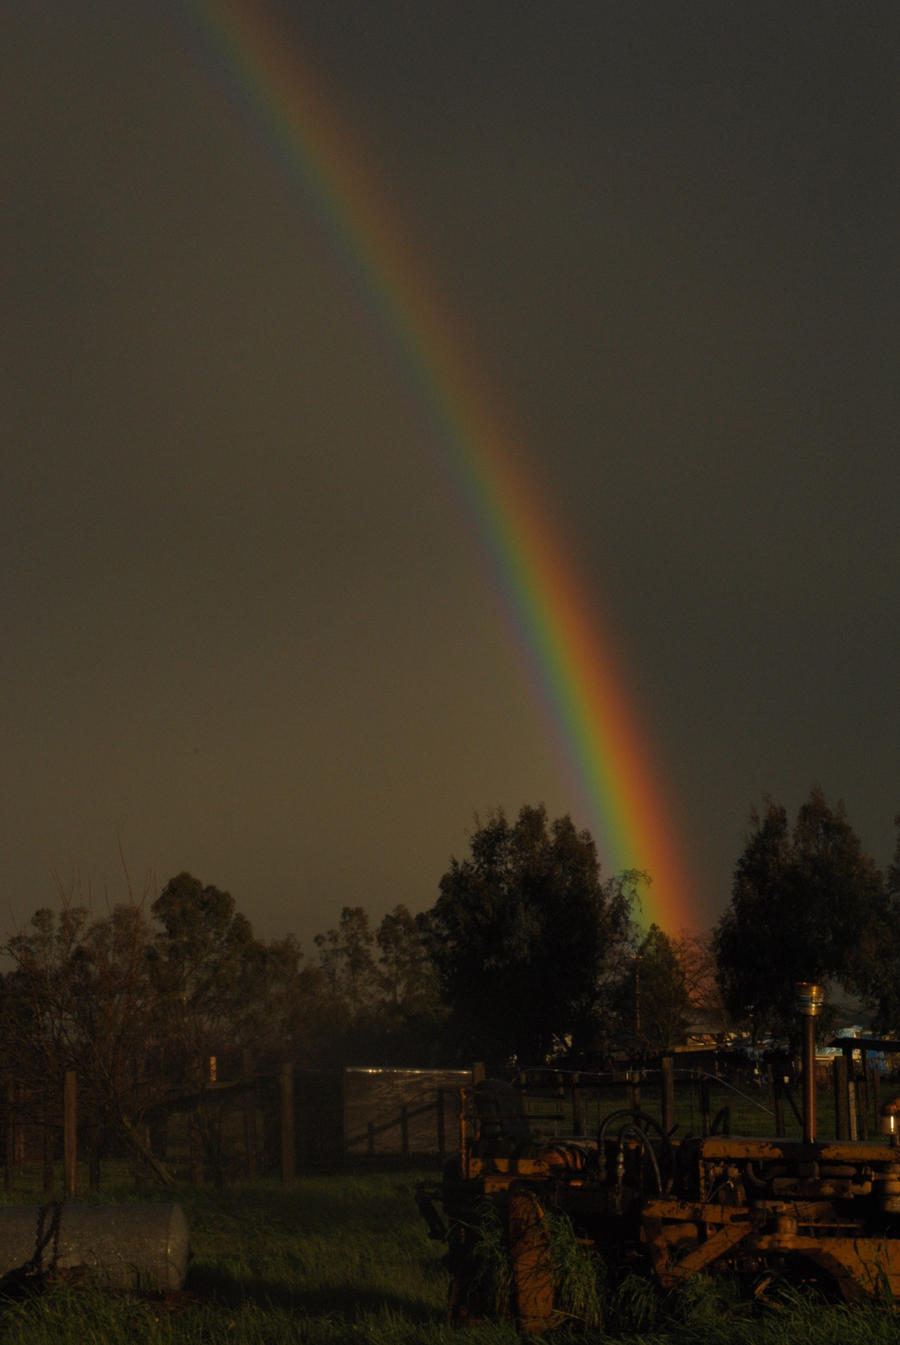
(111, 1246)
(826, 1212)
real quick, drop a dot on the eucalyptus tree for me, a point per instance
(807, 904)
(524, 935)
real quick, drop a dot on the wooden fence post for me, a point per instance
(705, 1116)
(251, 1146)
(288, 1135)
(47, 1149)
(10, 1155)
(776, 1097)
(70, 1133)
(94, 1157)
(578, 1123)
(19, 1131)
(852, 1101)
(441, 1135)
(196, 1147)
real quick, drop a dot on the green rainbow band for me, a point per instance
(574, 672)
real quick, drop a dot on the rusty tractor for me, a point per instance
(642, 1198)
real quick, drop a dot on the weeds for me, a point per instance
(345, 1260)
(491, 1285)
(579, 1274)
(633, 1306)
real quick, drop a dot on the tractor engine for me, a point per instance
(822, 1212)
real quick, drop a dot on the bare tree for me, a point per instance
(80, 997)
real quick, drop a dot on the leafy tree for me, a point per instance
(206, 964)
(380, 990)
(222, 989)
(875, 961)
(411, 1013)
(289, 1003)
(79, 997)
(347, 959)
(405, 970)
(136, 1007)
(697, 959)
(892, 882)
(652, 1003)
(805, 901)
(522, 935)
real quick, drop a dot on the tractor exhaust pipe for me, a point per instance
(809, 1000)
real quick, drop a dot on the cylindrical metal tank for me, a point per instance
(113, 1246)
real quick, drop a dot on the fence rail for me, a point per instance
(289, 1119)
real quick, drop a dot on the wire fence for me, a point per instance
(288, 1120)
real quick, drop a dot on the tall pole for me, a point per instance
(810, 999)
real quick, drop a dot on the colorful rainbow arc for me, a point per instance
(575, 675)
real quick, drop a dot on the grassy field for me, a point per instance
(346, 1259)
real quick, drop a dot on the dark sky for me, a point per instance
(244, 630)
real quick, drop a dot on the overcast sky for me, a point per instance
(244, 632)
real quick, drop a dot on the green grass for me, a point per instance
(331, 1259)
(346, 1258)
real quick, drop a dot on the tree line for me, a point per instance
(529, 954)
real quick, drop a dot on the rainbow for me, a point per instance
(572, 664)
